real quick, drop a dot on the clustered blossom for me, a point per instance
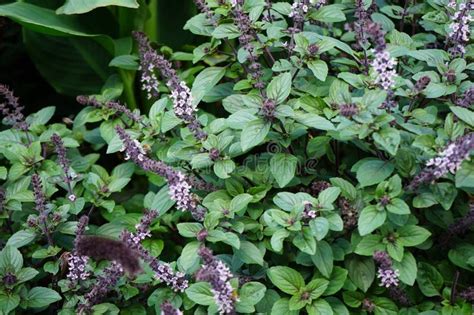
(214, 154)
(11, 109)
(422, 83)
(101, 287)
(179, 186)
(65, 165)
(168, 309)
(9, 279)
(298, 11)
(268, 109)
(180, 93)
(368, 305)
(467, 99)
(114, 106)
(348, 110)
(387, 275)
(399, 296)
(204, 8)
(458, 34)
(163, 272)
(40, 206)
(360, 25)
(468, 294)
(383, 63)
(348, 213)
(218, 275)
(77, 263)
(449, 160)
(318, 186)
(308, 212)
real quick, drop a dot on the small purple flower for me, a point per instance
(368, 305)
(77, 263)
(268, 109)
(319, 186)
(468, 294)
(348, 213)
(9, 279)
(218, 275)
(384, 65)
(214, 154)
(467, 99)
(11, 110)
(458, 34)
(298, 11)
(168, 309)
(308, 212)
(387, 275)
(448, 161)
(179, 186)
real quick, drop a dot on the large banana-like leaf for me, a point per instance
(83, 6)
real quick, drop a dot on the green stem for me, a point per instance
(151, 25)
(128, 79)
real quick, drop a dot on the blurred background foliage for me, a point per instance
(54, 50)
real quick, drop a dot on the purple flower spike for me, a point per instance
(11, 109)
(179, 186)
(458, 34)
(180, 92)
(448, 161)
(40, 206)
(218, 275)
(114, 106)
(77, 263)
(387, 275)
(168, 309)
(467, 99)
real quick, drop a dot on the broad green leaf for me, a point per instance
(249, 253)
(329, 14)
(305, 241)
(323, 259)
(319, 68)
(200, 293)
(83, 6)
(464, 114)
(398, 206)
(240, 202)
(279, 88)
(370, 172)
(277, 239)
(320, 307)
(283, 168)
(319, 227)
(227, 30)
(40, 297)
(282, 307)
(412, 235)
(336, 280)
(222, 168)
(370, 219)
(10, 259)
(317, 287)
(252, 292)
(361, 271)
(388, 139)
(407, 268)
(8, 302)
(314, 121)
(286, 279)
(429, 280)
(254, 133)
(21, 238)
(205, 81)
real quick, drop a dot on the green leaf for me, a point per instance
(370, 219)
(3, 172)
(205, 81)
(252, 292)
(369, 244)
(10, 259)
(40, 297)
(286, 279)
(277, 239)
(83, 6)
(429, 280)
(222, 168)
(282, 307)
(249, 253)
(336, 281)
(398, 206)
(189, 258)
(240, 202)
(127, 62)
(371, 171)
(200, 293)
(283, 168)
(21, 238)
(407, 268)
(465, 176)
(388, 139)
(305, 241)
(8, 302)
(319, 68)
(316, 287)
(319, 227)
(412, 235)
(323, 259)
(464, 114)
(254, 133)
(227, 30)
(361, 271)
(314, 121)
(26, 274)
(279, 88)
(329, 14)
(329, 195)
